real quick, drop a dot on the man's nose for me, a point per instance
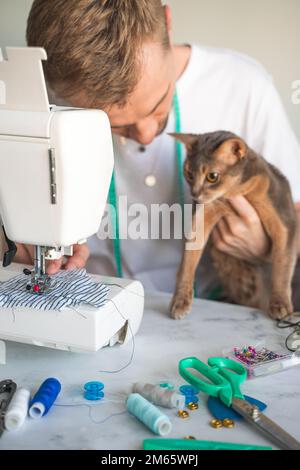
(145, 131)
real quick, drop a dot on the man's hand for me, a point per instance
(25, 255)
(77, 260)
(242, 234)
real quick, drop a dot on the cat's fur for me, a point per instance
(241, 172)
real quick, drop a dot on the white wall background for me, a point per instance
(268, 30)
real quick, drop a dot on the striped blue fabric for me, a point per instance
(68, 289)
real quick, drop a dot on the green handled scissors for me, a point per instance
(226, 376)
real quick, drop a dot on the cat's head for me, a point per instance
(214, 163)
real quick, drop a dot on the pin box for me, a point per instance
(261, 360)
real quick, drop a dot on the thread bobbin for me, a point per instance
(190, 394)
(93, 391)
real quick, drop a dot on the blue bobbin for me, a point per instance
(93, 390)
(190, 393)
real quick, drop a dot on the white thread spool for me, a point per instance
(160, 396)
(17, 410)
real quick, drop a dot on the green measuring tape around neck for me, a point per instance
(113, 193)
(179, 156)
(114, 217)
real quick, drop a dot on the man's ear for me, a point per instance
(232, 151)
(187, 139)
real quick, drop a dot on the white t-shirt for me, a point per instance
(219, 90)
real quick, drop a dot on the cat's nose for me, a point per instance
(195, 193)
(197, 196)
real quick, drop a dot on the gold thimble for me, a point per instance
(228, 423)
(192, 406)
(216, 423)
(183, 414)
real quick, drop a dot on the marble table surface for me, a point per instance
(153, 357)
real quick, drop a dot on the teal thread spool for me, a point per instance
(151, 416)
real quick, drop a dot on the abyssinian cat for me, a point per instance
(220, 165)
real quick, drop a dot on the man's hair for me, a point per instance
(95, 46)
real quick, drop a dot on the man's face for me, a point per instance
(145, 114)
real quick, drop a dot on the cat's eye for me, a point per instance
(212, 177)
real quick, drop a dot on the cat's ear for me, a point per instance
(232, 150)
(187, 139)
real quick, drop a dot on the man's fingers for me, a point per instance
(244, 209)
(76, 261)
(236, 225)
(218, 240)
(79, 258)
(54, 266)
(224, 231)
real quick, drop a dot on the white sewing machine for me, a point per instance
(55, 169)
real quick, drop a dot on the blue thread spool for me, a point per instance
(190, 393)
(151, 416)
(44, 398)
(93, 390)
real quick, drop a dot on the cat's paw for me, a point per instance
(181, 305)
(280, 307)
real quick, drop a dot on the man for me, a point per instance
(117, 55)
